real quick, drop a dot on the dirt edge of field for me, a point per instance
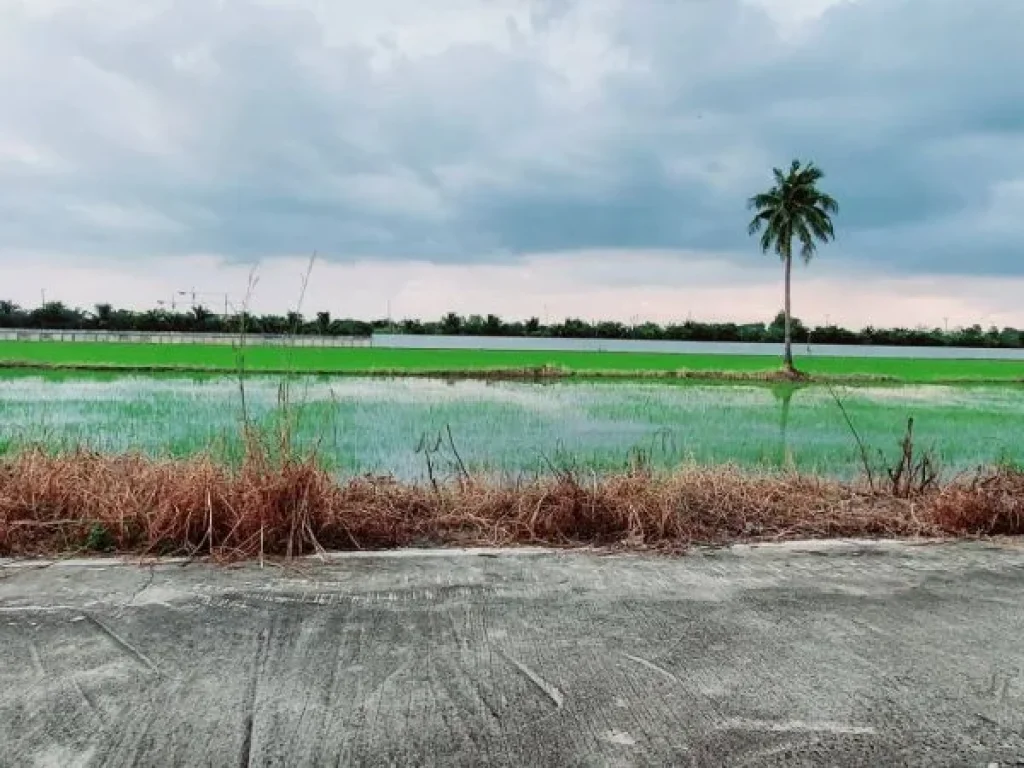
(85, 502)
(526, 373)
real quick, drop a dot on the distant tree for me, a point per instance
(493, 326)
(11, 315)
(103, 314)
(776, 330)
(1010, 337)
(793, 209)
(573, 328)
(200, 315)
(611, 330)
(971, 336)
(647, 331)
(323, 322)
(451, 324)
(54, 314)
(752, 332)
(473, 325)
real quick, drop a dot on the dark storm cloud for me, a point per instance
(480, 131)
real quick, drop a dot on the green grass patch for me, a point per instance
(371, 360)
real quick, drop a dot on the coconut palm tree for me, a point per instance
(793, 209)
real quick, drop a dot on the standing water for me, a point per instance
(360, 425)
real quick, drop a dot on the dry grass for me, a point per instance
(84, 501)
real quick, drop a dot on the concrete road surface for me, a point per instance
(850, 654)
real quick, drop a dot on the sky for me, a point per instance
(540, 158)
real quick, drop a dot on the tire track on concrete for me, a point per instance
(415, 683)
(249, 712)
(464, 709)
(24, 709)
(380, 695)
(89, 703)
(548, 689)
(529, 708)
(208, 702)
(652, 667)
(591, 679)
(489, 666)
(688, 710)
(37, 661)
(648, 700)
(454, 654)
(348, 720)
(124, 645)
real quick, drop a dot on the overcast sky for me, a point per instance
(524, 157)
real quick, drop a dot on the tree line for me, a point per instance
(54, 315)
(57, 316)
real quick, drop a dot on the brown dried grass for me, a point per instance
(51, 504)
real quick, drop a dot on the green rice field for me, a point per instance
(372, 360)
(387, 425)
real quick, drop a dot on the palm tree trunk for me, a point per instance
(787, 355)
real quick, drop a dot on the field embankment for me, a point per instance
(525, 364)
(82, 502)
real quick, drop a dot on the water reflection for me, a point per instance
(783, 395)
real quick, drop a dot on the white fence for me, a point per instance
(689, 347)
(173, 337)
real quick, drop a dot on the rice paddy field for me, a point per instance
(395, 426)
(379, 360)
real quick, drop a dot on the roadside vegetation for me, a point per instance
(274, 505)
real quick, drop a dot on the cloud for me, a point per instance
(507, 132)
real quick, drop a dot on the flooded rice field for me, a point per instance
(393, 426)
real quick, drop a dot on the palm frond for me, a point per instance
(806, 237)
(765, 200)
(793, 208)
(759, 221)
(809, 175)
(827, 203)
(820, 224)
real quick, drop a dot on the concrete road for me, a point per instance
(850, 654)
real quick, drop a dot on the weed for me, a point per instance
(914, 472)
(99, 539)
